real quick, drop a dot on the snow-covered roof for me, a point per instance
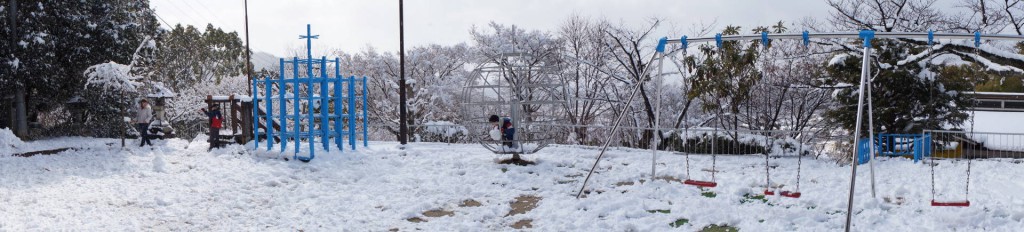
(1001, 122)
(159, 90)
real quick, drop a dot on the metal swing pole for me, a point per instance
(657, 111)
(865, 70)
(871, 135)
(615, 126)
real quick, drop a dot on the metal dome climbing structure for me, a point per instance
(519, 88)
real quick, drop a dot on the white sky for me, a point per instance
(352, 25)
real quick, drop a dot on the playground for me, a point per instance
(589, 127)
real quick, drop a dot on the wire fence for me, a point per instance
(703, 141)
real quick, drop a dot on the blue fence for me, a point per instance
(916, 146)
(315, 108)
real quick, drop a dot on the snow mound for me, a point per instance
(9, 140)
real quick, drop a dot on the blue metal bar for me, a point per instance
(310, 123)
(352, 111)
(269, 114)
(282, 119)
(338, 112)
(255, 116)
(295, 108)
(323, 105)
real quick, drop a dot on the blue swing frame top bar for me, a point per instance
(344, 106)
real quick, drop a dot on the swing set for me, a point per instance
(863, 92)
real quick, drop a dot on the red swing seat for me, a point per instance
(952, 203)
(790, 194)
(700, 183)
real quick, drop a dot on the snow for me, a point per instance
(112, 76)
(999, 130)
(838, 59)
(159, 90)
(178, 185)
(989, 65)
(8, 141)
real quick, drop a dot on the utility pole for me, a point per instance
(20, 111)
(248, 51)
(403, 115)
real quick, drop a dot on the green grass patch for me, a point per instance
(718, 228)
(709, 194)
(748, 198)
(665, 211)
(679, 222)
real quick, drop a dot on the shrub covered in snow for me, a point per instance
(443, 131)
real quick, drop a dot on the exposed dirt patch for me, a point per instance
(416, 220)
(521, 224)
(45, 152)
(894, 200)
(470, 203)
(669, 179)
(520, 162)
(623, 183)
(438, 213)
(524, 204)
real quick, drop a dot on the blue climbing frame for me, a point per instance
(319, 110)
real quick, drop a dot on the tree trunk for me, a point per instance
(21, 113)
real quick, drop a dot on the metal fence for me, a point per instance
(974, 145)
(701, 141)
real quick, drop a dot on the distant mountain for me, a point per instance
(263, 60)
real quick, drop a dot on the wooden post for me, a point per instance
(234, 115)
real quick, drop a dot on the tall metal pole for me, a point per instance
(871, 136)
(248, 51)
(403, 127)
(657, 116)
(856, 142)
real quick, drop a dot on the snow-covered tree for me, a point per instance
(52, 42)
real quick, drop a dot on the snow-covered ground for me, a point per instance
(178, 185)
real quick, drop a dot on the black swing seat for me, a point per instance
(951, 203)
(700, 183)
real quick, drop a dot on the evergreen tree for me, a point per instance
(55, 41)
(908, 93)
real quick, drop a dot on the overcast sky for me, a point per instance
(353, 25)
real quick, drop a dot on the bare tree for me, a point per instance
(886, 15)
(632, 57)
(585, 73)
